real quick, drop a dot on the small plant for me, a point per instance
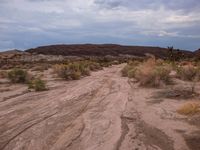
(18, 76)
(3, 74)
(41, 67)
(130, 69)
(188, 73)
(189, 108)
(163, 73)
(131, 73)
(84, 69)
(37, 85)
(76, 75)
(94, 66)
(125, 70)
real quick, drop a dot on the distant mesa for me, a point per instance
(97, 50)
(103, 50)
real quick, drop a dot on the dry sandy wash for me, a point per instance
(101, 112)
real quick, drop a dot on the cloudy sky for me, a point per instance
(31, 23)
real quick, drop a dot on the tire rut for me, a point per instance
(24, 130)
(77, 106)
(137, 133)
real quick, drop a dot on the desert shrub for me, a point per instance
(104, 64)
(134, 63)
(59, 69)
(163, 74)
(73, 71)
(160, 62)
(3, 74)
(188, 73)
(115, 62)
(189, 108)
(64, 71)
(84, 69)
(37, 85)
(41, 67)
(130, 69)
(131, 73)
(18, 76)
(75, 75)
(94, 66)
(150, 73)
(125, 70)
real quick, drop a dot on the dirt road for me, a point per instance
(101, 112)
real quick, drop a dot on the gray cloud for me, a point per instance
(30, 23)
(151, 4)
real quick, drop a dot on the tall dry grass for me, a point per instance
(188, 72)
(150, 73)
(190, 108)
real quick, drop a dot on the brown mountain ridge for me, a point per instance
(103, 50)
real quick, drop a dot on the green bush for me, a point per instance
(37, 85)
(18, 76)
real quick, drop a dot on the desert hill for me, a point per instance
(103, 50)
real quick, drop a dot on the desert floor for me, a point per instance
(103, 111)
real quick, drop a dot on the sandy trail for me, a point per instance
(101, 112)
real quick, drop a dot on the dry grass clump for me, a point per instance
(41, 67)
(75, 70)
(126, 70)
(37, 85)
(188, 73)
(130, 69)
(70, 71)
(21, 76)
(190, 108)
(94, 66)
(150, 73)
(3, 74)
(18, 76)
